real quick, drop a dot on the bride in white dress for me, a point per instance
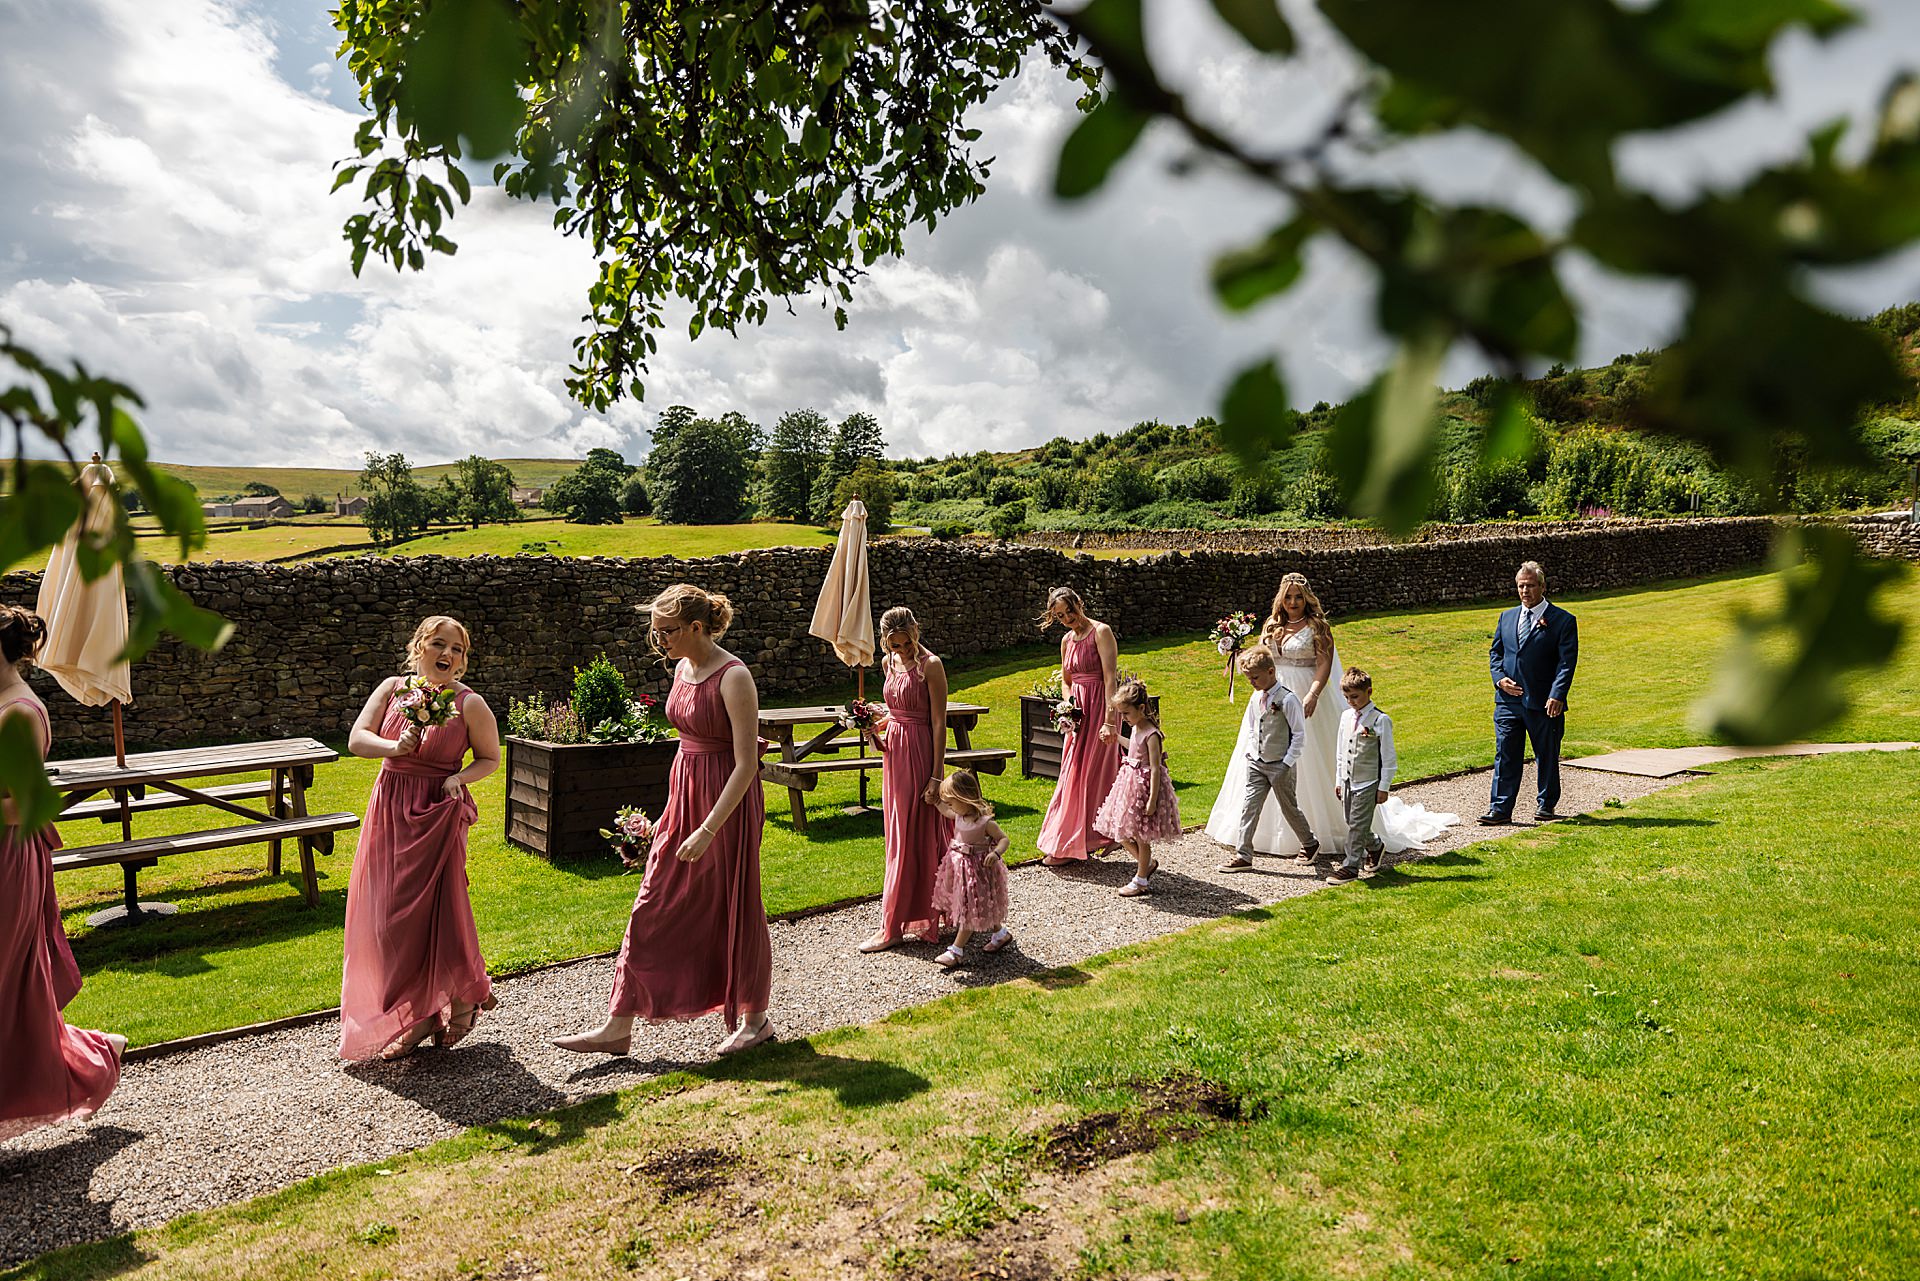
(1306, 662)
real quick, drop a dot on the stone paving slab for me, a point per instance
(1664, 762)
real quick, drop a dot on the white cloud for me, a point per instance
(167, 219)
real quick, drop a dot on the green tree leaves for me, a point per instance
(1760, 370)
(396, 502)
(720, 154)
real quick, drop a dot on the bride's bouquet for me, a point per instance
(1229, 636)
(426, 705)
(631, 835)
(1067, 716)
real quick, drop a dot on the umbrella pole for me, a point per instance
(119, 737)
(860, 686)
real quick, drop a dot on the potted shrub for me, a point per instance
(572, 766)
(1040, 743)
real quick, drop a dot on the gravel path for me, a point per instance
(226, 1122)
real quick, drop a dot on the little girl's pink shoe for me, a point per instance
(1001, 937)
(950, 958)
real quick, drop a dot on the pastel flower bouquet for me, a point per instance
(426, 705)
(631, 835)
(1229, 636)
(1068, 715)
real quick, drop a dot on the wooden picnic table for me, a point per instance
(801, 763)
(152, 781)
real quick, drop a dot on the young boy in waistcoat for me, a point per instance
(1278, 737)
(1363, 768)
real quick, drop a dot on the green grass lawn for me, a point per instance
(636, 536)
(1670, 1040)
(243, 947)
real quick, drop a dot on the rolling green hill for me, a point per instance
(294, 482)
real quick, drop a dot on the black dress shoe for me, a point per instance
(1493, 818)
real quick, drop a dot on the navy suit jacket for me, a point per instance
(1543, 663)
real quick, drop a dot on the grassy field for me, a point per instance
(295, 482)
(243, 948)
(1671, 1040)
(637, 536)
(633, 537)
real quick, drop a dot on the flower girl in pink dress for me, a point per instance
(1141, 808)
(970, 889)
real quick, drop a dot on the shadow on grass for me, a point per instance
(177, 945)
(46, 1200)
(1618, 821)
(555, 1129)
(443, 1082)
(856, 1083)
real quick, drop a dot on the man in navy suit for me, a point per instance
(1534, 651)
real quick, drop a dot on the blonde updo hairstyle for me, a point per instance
(428, 626)
(686, 604)
(1059, 596)
(899, 621)
(1315, 615)
(22, 632)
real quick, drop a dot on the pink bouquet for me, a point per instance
(860, 715)
(1228, 636)
(631, 835)
(426, 705)
(1231, 632)
(1067, 716)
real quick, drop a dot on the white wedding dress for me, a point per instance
(1401, 825)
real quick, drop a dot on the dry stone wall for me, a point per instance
(311, 640)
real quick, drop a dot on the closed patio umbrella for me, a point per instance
(86, 643)
(843, 614)
(87, 621)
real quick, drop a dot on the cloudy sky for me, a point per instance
(164, 216)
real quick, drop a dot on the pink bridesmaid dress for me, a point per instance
(916, 832)
(1087, 765)
(49, 1072)
(697, 940)
(411, 946)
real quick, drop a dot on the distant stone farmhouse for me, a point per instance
(355, 506)
(262, 508)
(528, 495)
(216, 509)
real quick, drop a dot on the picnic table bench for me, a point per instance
(801, 764)
(152, 781)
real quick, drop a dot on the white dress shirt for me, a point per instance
(1530, 618)
(1380, 725)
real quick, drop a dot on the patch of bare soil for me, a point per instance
(1008, 1252)
(1172, 1108)
(690, 1171)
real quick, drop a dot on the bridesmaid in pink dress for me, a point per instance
(697, 939)
(48, 1071)
(1089, 660)
(413, 968)
(913, 739)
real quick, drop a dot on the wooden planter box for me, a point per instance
(559, 795)
(1040, 746)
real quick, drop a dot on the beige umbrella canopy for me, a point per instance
(843, 616)
(87, 621)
